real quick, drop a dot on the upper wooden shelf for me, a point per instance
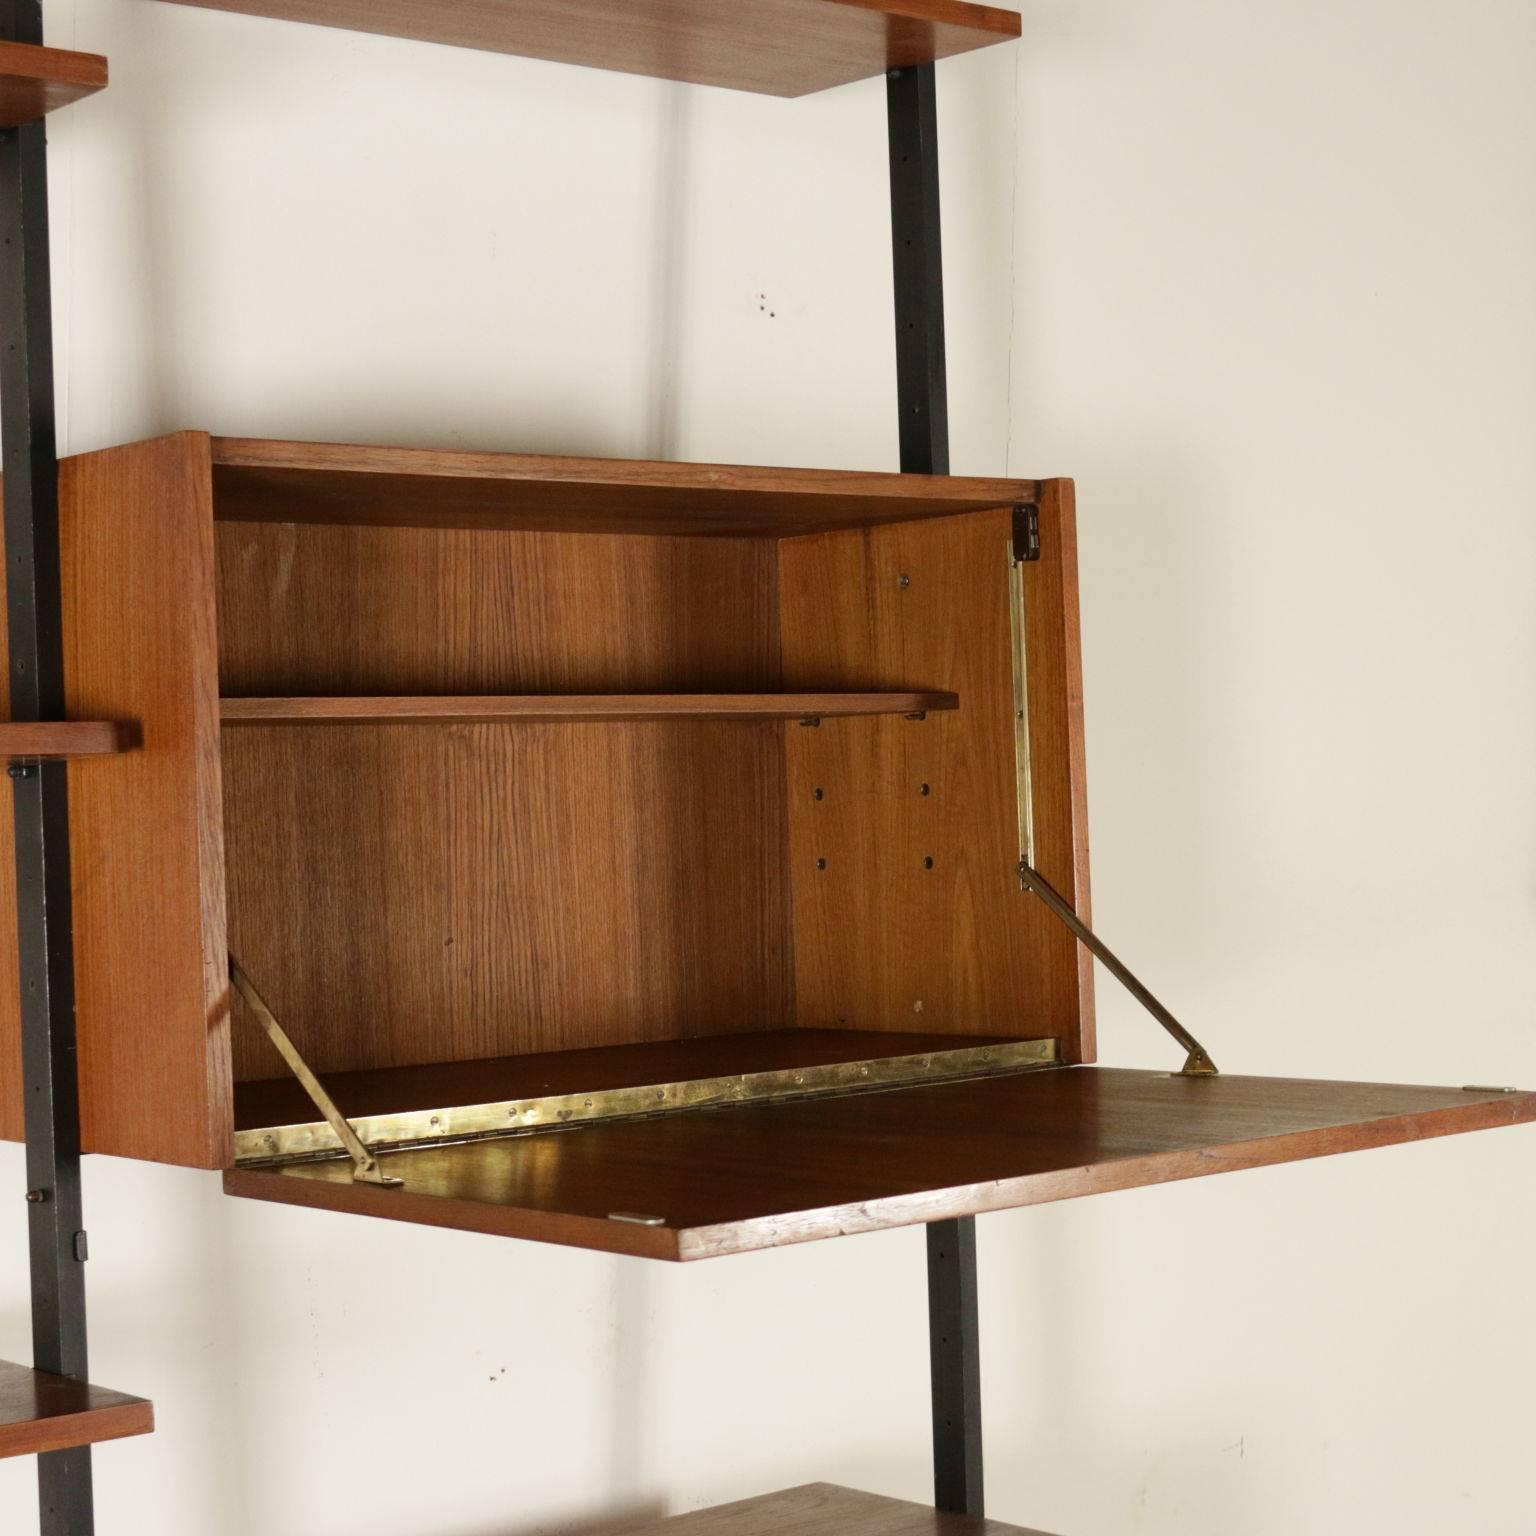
(553, 708)
(58, 740)
(821, 1509)
(775, 47)
(40, 1413)
(255, 480)
(35, 81)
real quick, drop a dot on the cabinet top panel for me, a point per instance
(774, 47)
(256, 480)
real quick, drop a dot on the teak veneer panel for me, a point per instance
(40, 1413)
(548, 709)
(777, 47)
(954, 944)
(821, 1509)
(759, 1177)
(35, 81)
(281, 1101)
(61, 740)
(146, 827)
(406, 895)
(256, 480)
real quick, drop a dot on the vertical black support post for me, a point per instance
(27, 440)
(923, 402)
(954, 1347)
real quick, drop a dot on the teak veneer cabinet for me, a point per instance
(674, 809)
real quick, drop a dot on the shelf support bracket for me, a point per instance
(1197, 1061)
(365, 1166)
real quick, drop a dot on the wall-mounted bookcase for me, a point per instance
(672, 809)
(670, 860)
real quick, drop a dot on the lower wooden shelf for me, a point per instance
(702, 1184)
(40, 1413)
(822, 1509)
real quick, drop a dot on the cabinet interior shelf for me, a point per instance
(40, 1412)
(35, 81)
(821, 1509)
(554, 708)
(774, 47)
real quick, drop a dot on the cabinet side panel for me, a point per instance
(146, 830)
(907, 909)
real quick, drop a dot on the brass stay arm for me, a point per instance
(1198, 1061)
(366, 1168)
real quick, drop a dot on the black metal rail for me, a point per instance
(923, 405)
(35, 627)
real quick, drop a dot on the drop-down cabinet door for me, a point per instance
(697, 1185)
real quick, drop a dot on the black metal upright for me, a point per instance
(28, 442)
(923, 403)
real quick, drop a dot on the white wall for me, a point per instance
(1260, 278)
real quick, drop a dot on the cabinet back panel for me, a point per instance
(883, 940)
(422, 893)
(356, 610)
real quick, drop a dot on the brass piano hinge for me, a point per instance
(1198, 1061)
(365, 1169)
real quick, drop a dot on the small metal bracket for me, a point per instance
(1026, 532)
(1198, 1062)
(366, 1168)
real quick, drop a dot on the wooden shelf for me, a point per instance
(820, 1509)
(763, 1176)
(553, 708)
(35, 81)
(256, 480)
(776, 47)
(40, 1413)
(59, 740)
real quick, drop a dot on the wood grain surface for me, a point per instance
(778, 47)
(146, 827)
(731, 1180)
(904, 844)
(552, 708)
(61, 740)
(256, 480)
(40, 1412)
(820, 1509)
(406, 895)
(35, 81)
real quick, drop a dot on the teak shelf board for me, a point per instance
(61, 740)
(775, 47)
(552, 708)
(822, 1509)
(41, 1413)
(257, 480)
(35, 81)
(733, 1180)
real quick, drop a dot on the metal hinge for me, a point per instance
(365, 1166)
(1026, 532)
